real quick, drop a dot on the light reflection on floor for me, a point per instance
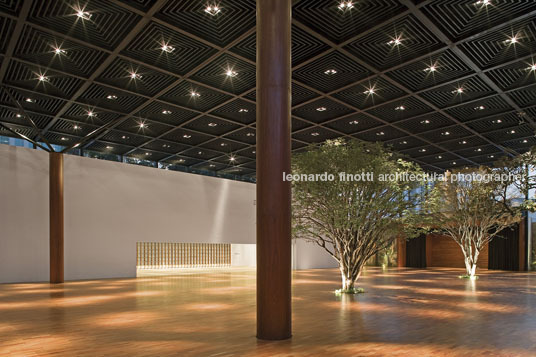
(212, 312)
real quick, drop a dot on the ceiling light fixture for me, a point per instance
(454, 163)
(124, 137)
(186, 136)
(481, 107)
(430, 69)
(42, 78)
(532, 68)
(439, 156)
(403, 142)
(345, 5)
(478, 150)
(401, 107)
(109, 147)
(194, 94)
(330, 72)
(76, 127)
(426, 121)
(250, 134)
(18, 115)
(59, 51)
(212, 124)
(458, 91)
(525, 141)
(166, 112)
(223, 144)
(445, 133)
(353, 122)
(381, 133)
(498, 121)
(315, 134)
(512, 132)
(143, 125)
(491, 156)
(91, 114)
(483, 2)
(396, 41)
(84, 15)
(30, 100)
(167, 48)
(232, 158)
(512, 40)
(134, 75)
(231, 73)
(243, 110)
(212, 10)
(369, 91)
(463, 142)
(111, 97)
(321, 109)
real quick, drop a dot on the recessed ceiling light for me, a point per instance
(491, 156)
(532, 68)
(369, 91)
(42, 78)
(512, 132)
(166, 112)
(166, 146)
(315, 134)
(380, 133)
(180, 161)
(454, 163)
(330, 72)
(430, 69)
(109, 147)
(250, 134)
(212, 165)
(422, 150)
(345, 5)
(186, 136)
(463, 142)
(135, 75)
(64, 138)
(125, 137)
(401, 107)
(232, 158)
(396, 41)
(167, 48)
(59, 51)
(497, 121)
(445, 133)
(231, 73)
(483, 2)
(194, 94)
(253, 152)
(30, 100)
(223, 144)
(143, 125)
(321, 109)
(91, 114)
(212, 124)
(83, 14)
(458, 90)
(18, 115)
(426, 121)
(243, 110)
(480, 107)
(212, 10)
(439, 156)
(478, 150)
(403, 142)
(512, 40)
(147, 153)
(111, 97)
(525, 141)
(353, 122)
(76, 127)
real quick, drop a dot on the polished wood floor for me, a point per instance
(403, 313)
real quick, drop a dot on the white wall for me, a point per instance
(243, 255)
(110, 206)
(308, 255)
(24, 229)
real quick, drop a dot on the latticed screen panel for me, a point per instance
(152, 255)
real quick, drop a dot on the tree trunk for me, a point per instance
(470, 264)
(348, 279)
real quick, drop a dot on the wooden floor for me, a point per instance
(402, 313)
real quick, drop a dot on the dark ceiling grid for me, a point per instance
(462, 115)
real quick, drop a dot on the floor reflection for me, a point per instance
(212, 312)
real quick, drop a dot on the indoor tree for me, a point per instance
(468, 206)
(353, 217)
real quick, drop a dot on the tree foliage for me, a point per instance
(353, 220)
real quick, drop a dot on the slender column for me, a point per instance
(56, 217)
(273, 159)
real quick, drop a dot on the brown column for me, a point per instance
(522, 246)
(429, 242)
(401, 252)
(273, 159)
(56, 217)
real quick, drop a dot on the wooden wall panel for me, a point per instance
(151, 255)
(446, 253)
